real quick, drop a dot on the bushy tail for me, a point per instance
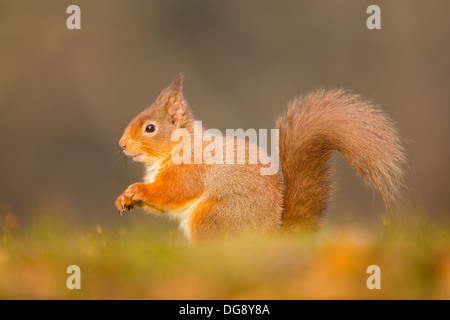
(321, 122)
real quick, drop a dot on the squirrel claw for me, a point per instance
(125, 200)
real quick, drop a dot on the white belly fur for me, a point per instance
(183, 215)
(151, 172)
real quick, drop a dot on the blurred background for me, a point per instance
(67, 95)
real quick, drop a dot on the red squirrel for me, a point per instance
(215, 199)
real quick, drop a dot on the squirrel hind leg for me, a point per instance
(213, 219)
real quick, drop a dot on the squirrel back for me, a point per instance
(316, 125)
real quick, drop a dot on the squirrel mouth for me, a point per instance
(138, 157)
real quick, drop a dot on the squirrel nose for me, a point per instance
(122, 145)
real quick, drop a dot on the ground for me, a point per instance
(141, 261)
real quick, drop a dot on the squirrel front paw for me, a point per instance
(130, 197)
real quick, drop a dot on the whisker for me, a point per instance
(124, 157)
(116, 156)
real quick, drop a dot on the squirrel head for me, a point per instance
(147, 138)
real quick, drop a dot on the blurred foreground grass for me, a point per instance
(138, 261)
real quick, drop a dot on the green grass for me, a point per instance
(140, 260)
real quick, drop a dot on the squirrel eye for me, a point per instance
(150, 128)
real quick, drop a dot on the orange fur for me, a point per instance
(211, 200)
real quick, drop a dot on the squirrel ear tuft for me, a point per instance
(175, 89)
(177, 83)
(173, 101)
